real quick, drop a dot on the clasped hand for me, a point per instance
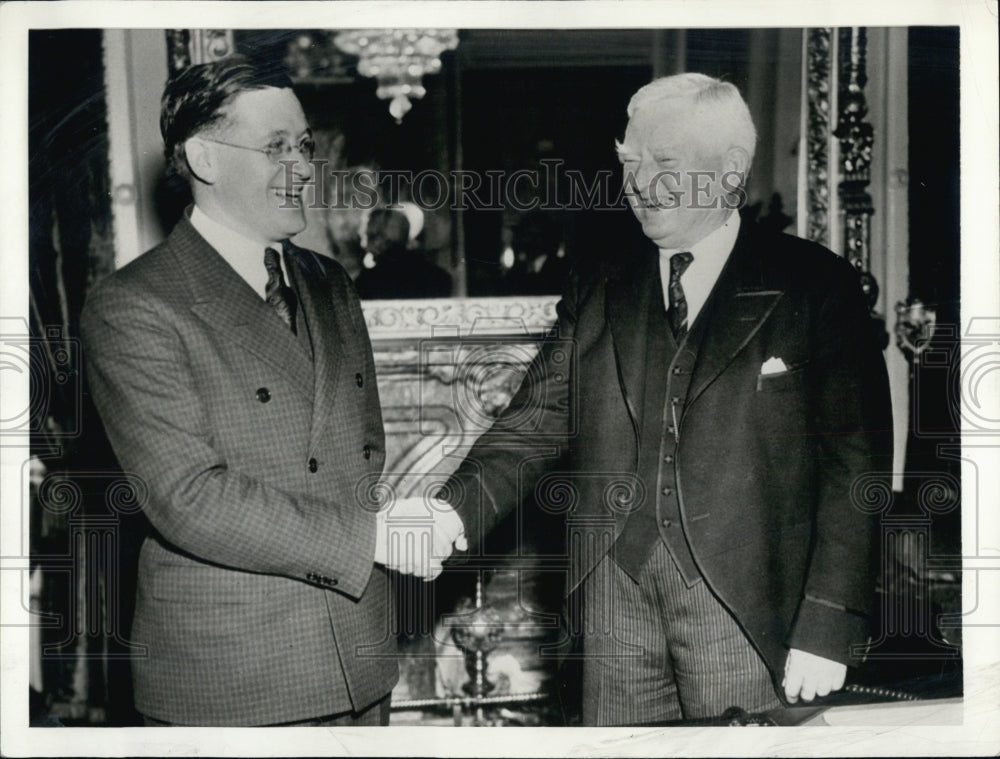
(416, 535)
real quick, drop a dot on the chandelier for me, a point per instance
(398, 59)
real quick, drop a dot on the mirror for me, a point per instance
(504, 172)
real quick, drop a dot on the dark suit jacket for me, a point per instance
(771, 469)
(257, 600)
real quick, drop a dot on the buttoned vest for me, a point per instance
(667, 383)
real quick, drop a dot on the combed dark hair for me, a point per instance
(197, 98)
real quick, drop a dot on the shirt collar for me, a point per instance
(244, 255)
(716, 245)
(225, 240)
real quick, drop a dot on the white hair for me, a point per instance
(711, 100)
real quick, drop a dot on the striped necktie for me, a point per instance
(278, 295)
(677, 312)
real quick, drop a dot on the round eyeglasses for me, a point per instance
(277, 150)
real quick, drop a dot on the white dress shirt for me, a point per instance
(246, 256)
(710, 256)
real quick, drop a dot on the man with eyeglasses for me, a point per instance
(235, 379)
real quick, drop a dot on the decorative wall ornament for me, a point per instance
(856, 138)
(407, 319)
(818, 108)
(398, 59)
(178, 49)
(188, 47)
(915, 325)
(838, 145)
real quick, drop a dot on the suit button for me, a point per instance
(312, 577)
(313, 465)
(359, 379)
(668, 459)
(263, 395)
(366, 452)
(670, 429)
(676, 400)
(677, 370)
(665, 522)
(667, 491)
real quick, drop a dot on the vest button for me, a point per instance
(366, 452)
(676, 400)
(313, 465)
(359, 379)
(677, 370)
(668, 459)
(670, 429)
(667, 491)
(263, 395)
(665, 522)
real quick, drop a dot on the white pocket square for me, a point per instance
(773, 366)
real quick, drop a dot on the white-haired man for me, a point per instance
(715, 399)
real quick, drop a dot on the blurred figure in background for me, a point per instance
(393, 268)
(539, 265)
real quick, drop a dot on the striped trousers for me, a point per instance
(657, 650)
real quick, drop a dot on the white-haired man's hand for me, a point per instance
(808, 675)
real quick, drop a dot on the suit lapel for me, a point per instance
(740, 303)
(227, 304)
(328, 319)
(629, 298)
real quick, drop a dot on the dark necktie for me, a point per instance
(279, 296)
(677, 313)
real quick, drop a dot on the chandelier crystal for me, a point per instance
(398, 59)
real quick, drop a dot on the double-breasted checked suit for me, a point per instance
(257, 600)
(760, 472)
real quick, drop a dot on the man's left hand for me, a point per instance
(808, 676)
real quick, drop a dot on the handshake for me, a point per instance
(416, 535)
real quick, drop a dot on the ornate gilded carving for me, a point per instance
(178, 49)
(212, 44)
(817, 135)
(842, 82)
(186, 47)
(915, 324)
(856, 138)
(395, 319)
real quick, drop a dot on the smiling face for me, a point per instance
(675, 178)
(245, 189)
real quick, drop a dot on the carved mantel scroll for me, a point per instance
(415, 319)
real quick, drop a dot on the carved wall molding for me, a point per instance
(817, 136)
(187, 47)
(459, 317)
(838, 145)
(856, 138)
